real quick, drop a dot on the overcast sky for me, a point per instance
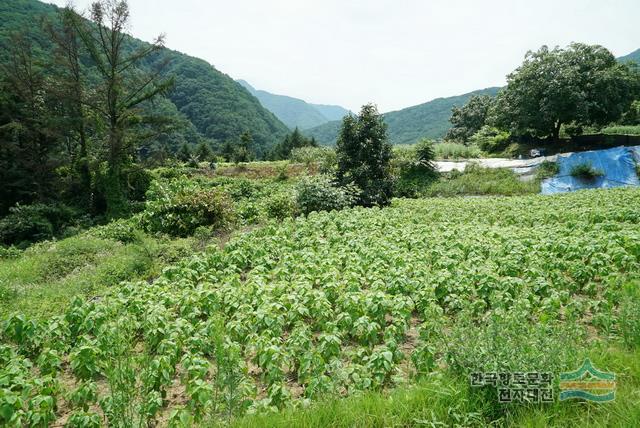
(396, 53)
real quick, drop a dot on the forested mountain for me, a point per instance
(406, 126)
(633, 56)
(294, 112)
(210, 103)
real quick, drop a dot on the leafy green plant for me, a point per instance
(180, 207)
(320, 194)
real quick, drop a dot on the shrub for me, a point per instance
(491, 140)
(179, 207)
(280, 206)
(585, 171)
(31, 223)
(547, 169)
(320, 194)
(124, 231)
(324, 157)
(415, 169)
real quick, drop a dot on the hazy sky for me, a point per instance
(396, 53)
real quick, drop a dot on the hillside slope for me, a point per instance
(295, 112)
(218, 107)
(406, 126)
(633, 56)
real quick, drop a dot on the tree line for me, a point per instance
(555, 90)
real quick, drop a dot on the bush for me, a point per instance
(280, 206)
(547, 169)
(181, 206)
(585, 171)
(324, 157)
(414, 169)
(491, 140)
(320, 194)
(124, 231)
(30, 223)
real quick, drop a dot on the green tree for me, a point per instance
(468, 119)
(364, 155)
(122, 88)
(203, 151)
(244, 151)
(582, 85)
(184, 154)
(30, 128)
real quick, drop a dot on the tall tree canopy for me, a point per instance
(582, 85)
(363, 154)
(468, 119)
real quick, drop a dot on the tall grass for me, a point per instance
(621, 130)
(479, 181)
(447, 400)
(44, 278)
(456, 151)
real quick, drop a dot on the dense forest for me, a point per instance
(208, 103)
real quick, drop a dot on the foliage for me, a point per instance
(582, 84)
(342, 302)
(468, 120)
(364, 155)
(621, 130)
(630, 316)
(30, 223)
(456, 151)
(476, 180)
(491, 140)
(180, 206)
(321, 194)
(414, 168)
(547, 169)
(585, 171)
(409, 125)
(292, 141)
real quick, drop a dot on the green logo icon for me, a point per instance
(588, 383)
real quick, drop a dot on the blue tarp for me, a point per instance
(617, 164)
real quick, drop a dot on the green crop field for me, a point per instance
(392, 307)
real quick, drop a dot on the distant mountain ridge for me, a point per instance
(295, 112)
(406, 126)
(633, 56)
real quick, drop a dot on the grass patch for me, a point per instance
(479, 181)
(44, 278)
(585, 171)
(447, 400)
